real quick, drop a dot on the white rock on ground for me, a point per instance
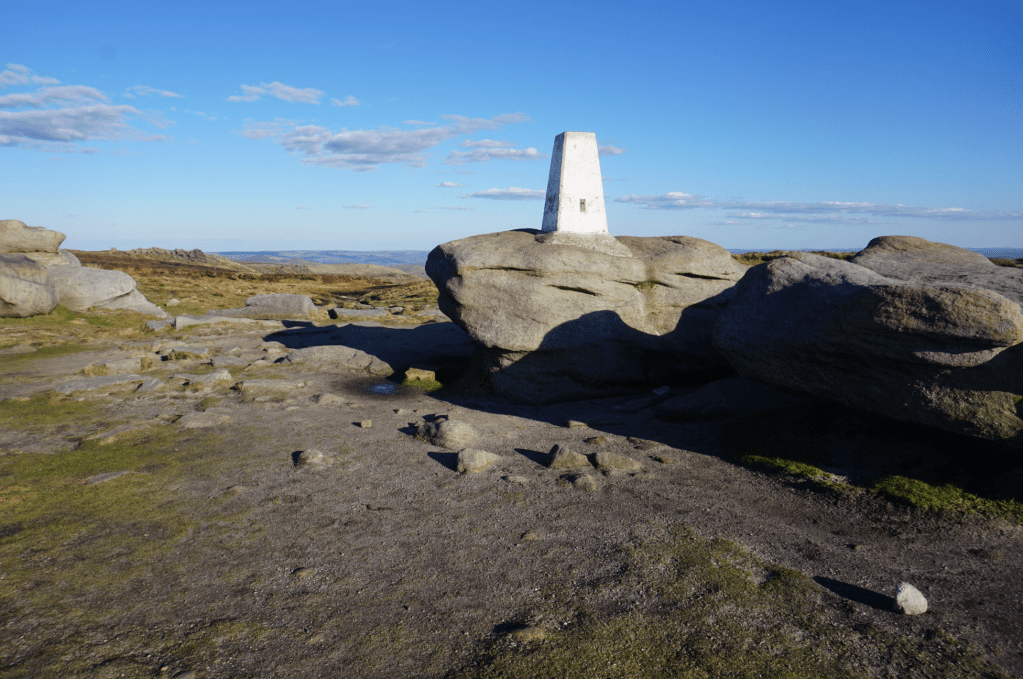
(909, 600)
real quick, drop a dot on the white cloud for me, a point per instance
(365, 150)
(66, 125)
(279, 90)
(486, 143)
(457, 207)
(673, 200)
(60, 96)
(418, 122)
(450, 185)
(265, 129)
(609, 150)
(16, 74)
(511, 193)
(482, 155)
(822, 212)
(146, 91)
(350, 101)
(302, 207)
(58, 117)
(358, 207)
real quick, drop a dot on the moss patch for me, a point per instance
(709, 609)
(423, 385)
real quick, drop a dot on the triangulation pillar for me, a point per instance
(573, 213)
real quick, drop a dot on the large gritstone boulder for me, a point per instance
(554, 322)
(937, 340)
(82, 287)
(16, 237)
(25, 288)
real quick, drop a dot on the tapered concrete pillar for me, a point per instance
(574, 212)
(575, 193)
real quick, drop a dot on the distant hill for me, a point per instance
(378, 257)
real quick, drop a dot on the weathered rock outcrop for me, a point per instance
(554, 322)
(25, 287)
(273, 306)
(937, 341)
(40, 275)
(82, 287)
(16, 237)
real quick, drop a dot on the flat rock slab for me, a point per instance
(263, 386)
(339, 358)
(340, 312)
(96, 383)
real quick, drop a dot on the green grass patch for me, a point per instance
(46, 410)
(946, 497)
(48, 515)
(17, 360)
(711, 609)
(790, 467)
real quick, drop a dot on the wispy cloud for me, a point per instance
(488, 153)
(58, 117)
(418, 122)
(358, 207)
(457, 207)
(281, 91)
(350, 101)
(839, 212)
(364, 150)
(609, 150)
(67, 95)
(17, 74)
(302, 207)
(485, 144)
(265, 129)
(450, 185)
(146, 91)
(511, 193)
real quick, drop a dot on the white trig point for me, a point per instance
(575, 193)
(574, 211)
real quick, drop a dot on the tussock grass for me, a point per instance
(754, 258)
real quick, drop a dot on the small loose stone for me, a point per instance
(366, 424)
(909, 600)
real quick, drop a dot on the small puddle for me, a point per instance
(383, 388)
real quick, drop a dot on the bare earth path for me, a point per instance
(217, 556)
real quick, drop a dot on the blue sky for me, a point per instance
(398, 125)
